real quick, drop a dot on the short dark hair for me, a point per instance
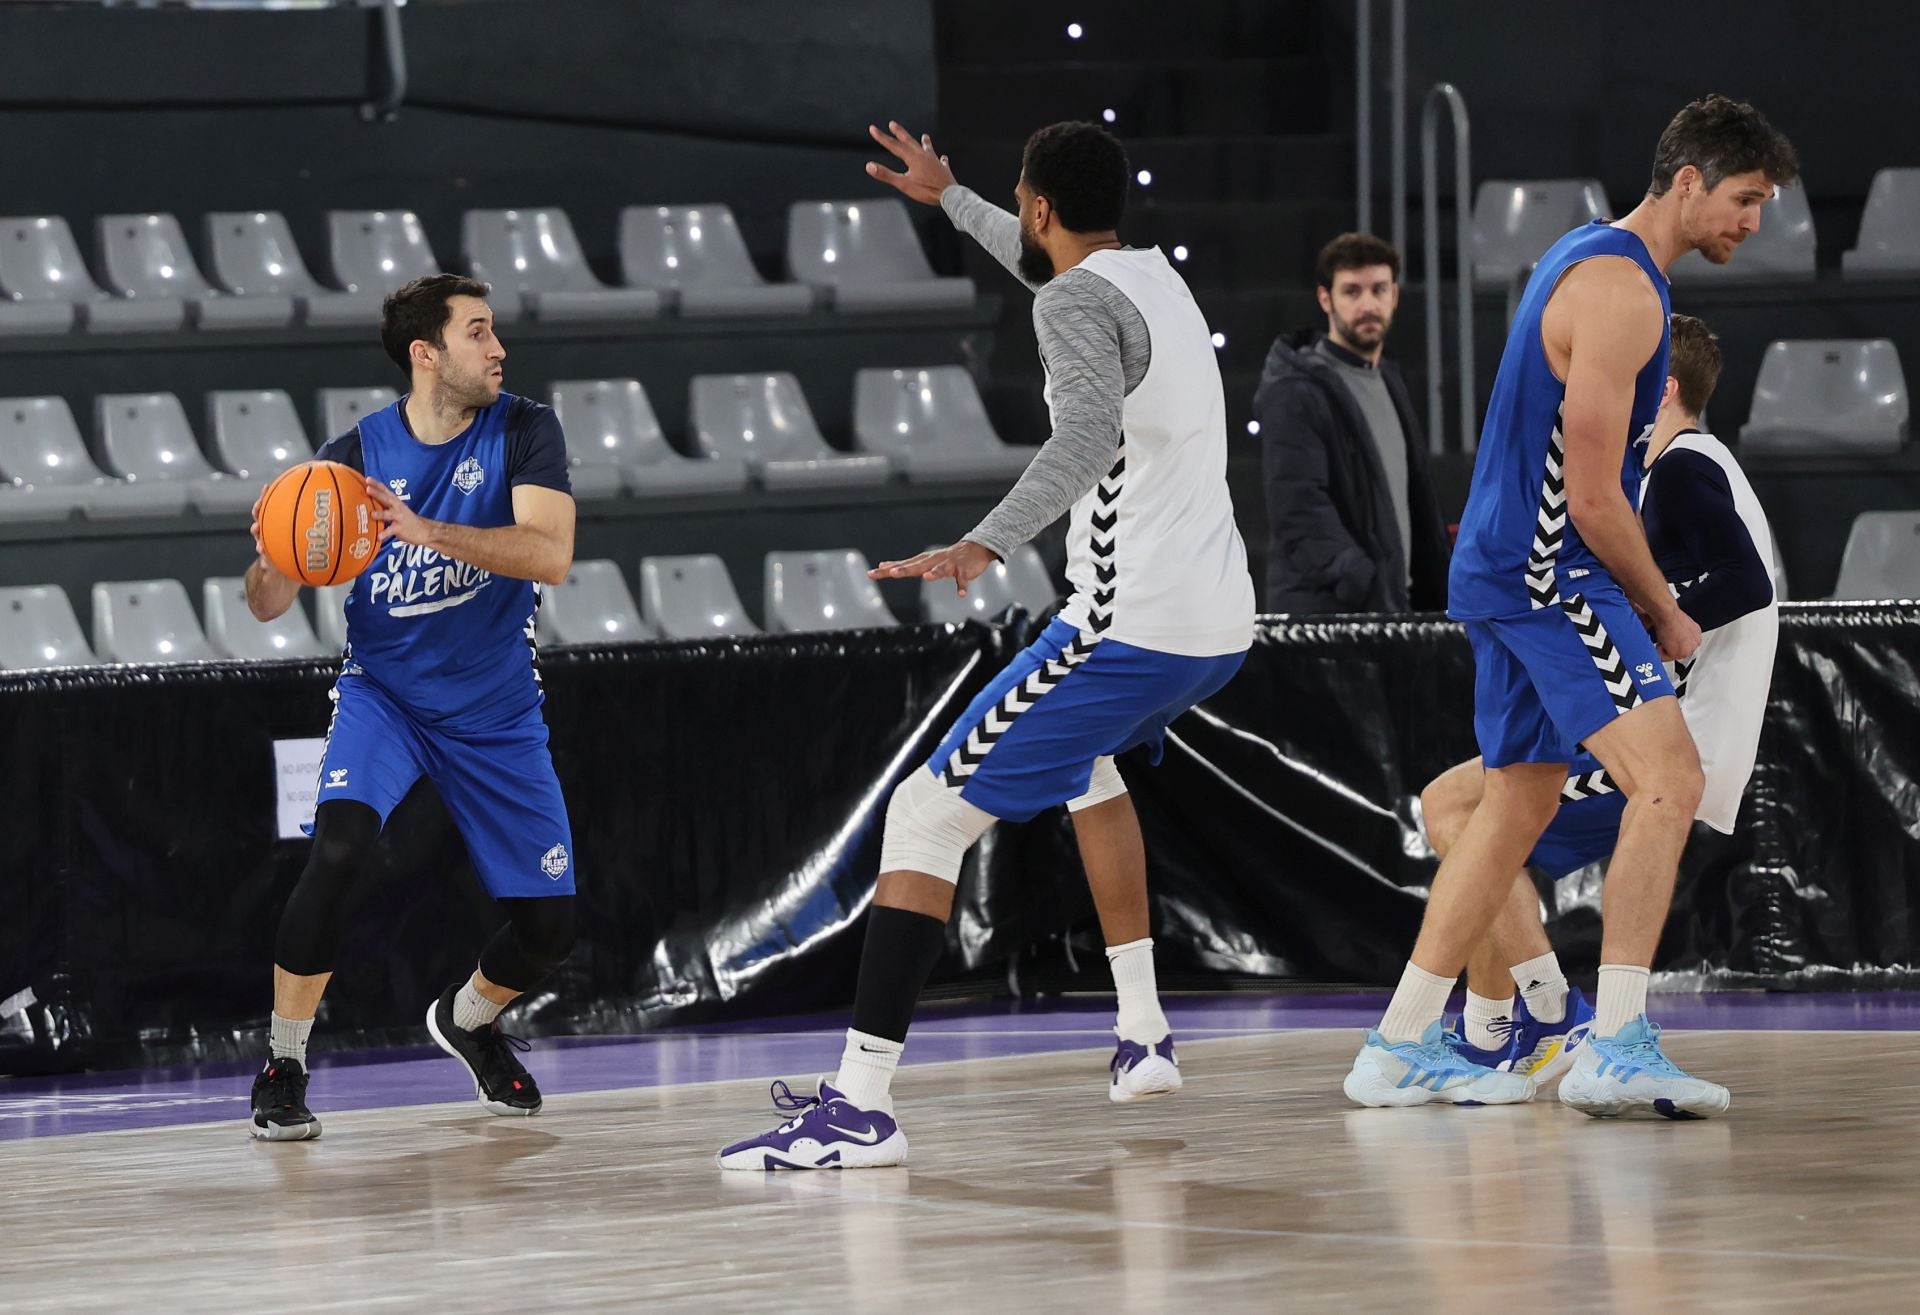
(1082, 169)
(418, 312)
(1722, 137)
(1354, 251)
(1695, 363)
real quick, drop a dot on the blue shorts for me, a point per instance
(1029, 740)
(1587, 827)
(498, 784)
(1543, 682)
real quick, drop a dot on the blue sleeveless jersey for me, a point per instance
(1518, 550)
(452, 644)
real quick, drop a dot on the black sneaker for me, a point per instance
(500, 1080)
(280, 1110)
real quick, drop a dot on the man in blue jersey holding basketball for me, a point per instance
(438, 680)
(1552, 576)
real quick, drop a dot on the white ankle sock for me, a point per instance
(1481, 1014)
(1623, 997)
(1140, 1017)
(866, 1070)
(288, 1038)
(472, 1010)
(1544, 986)
(1420, 998)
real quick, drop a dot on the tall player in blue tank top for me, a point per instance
(1552, 575)
(438, 680)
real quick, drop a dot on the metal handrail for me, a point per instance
(393, 46)
(1397, 89)
(1446, 94)
(1363, 115)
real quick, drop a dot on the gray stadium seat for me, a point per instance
(146, 438)
(38, 629)
(330, 615)
(691, 598)
(376, 251)
(611, 427)
(533, 254)
(1514, 222)
(931, 425)
(828, 590)
(147, 621)
(1889, 241)
(336, 410)
(1837, 395)
(21, 503)
(1781, 252)
(695, 258)
(867, 255)
(147, 256)
(254, 255)
(41, 271)
(256, 433)
(234, 633)
(1882, 557)
(1020, 581)
(594, 606)
(41, 447)
(763, 420)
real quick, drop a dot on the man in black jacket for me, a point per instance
(1354, 523)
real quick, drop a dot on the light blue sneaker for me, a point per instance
(1618, 1074)
(1495, 1058)
(1428, 1071)
(1544, 1051)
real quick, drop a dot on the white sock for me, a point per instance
(1544, 987)
(866, 1070)
(1623, 997)
(472, 1010)
(288, 1038)
(1140, 1018)
(1478, 1021)
(1417, 1002)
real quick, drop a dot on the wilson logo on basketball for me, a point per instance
(320, 531)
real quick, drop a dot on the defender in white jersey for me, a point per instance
(1160, 618)
(1711, 540)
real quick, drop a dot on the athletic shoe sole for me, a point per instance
(1376, 1092)
(845, 1155)
(284, 1131)
(479, 1092)
(1151, 1077)
(1701, 1105)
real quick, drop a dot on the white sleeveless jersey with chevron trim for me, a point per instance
(1723, 688)
(1153, 551)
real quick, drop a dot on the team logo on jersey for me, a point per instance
(336, 778)
(468, 475)
(1646, 673)
(554, 862)
(399, 487)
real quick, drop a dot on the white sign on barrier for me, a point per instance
(296, 772)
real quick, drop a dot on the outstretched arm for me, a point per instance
(928, 180)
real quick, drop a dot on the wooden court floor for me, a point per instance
(1256, 1189)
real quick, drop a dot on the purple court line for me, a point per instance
(800, 1046)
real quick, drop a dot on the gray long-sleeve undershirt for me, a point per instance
(1096, 349)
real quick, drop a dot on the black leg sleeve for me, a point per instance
(899, 955)
(309, 938)
(537, 939)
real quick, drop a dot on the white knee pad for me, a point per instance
(930, 828)
(1106, 784)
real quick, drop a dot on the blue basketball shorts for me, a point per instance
(498, 784)
(1028, 741)
(1587, 827)
(1546, 680)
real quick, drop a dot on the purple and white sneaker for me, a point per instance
(829, 1132)
(1141, 1072)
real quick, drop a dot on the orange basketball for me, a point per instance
(316, 523)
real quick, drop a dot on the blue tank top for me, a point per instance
(453, 644)
(1518, 549)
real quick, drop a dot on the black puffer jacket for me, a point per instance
(1334, 542)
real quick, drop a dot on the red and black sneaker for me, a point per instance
(500, 1080)
(280, 1110)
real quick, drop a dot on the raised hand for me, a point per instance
(927, 174)
(963, 563)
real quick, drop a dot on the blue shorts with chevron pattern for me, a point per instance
(1545, 680)
(1587, 827)
(1028, 741)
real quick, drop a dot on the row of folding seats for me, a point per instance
(848, 255)
(1515, 222)
(691, 597)
(928, 425)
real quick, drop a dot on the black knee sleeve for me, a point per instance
(309, 938)
(537, 939)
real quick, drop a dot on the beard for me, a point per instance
(469, 392)
(1368, 333)
(1036, 266)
